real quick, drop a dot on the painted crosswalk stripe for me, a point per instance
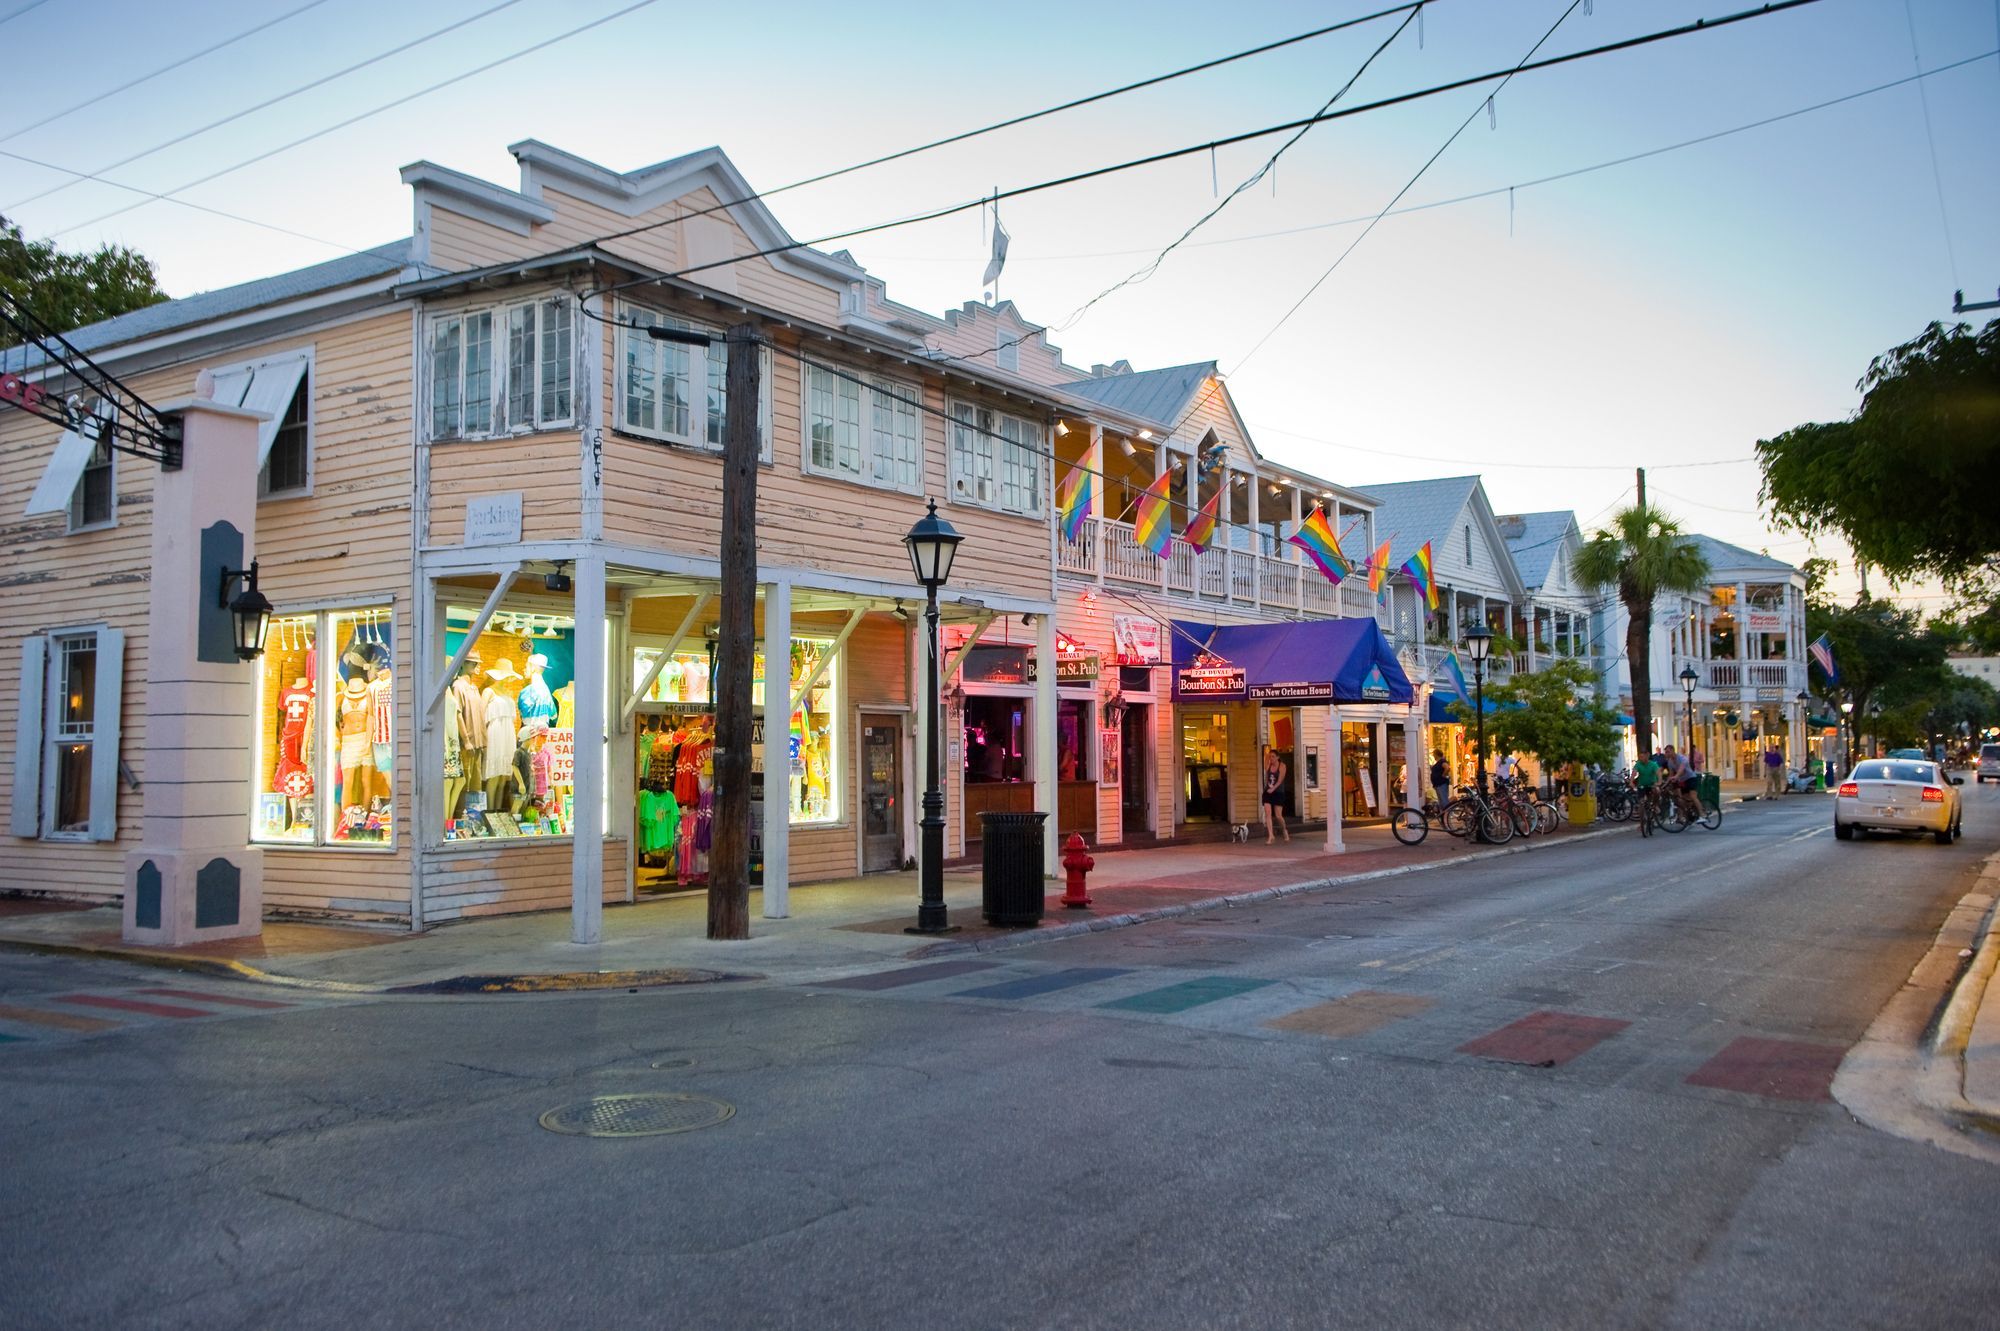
(229, 999)
(62, 1021)
(1355, 1014)
(133, 1005)
(1545, 1039)
(896, 979)
(1034, 985)
(1774, 1069)
(1187, 994)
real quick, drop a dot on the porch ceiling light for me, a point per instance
(250, 610)
(1129, 449)
(1145, 434)
(932, 543)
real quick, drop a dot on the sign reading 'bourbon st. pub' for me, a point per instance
(1209, 677)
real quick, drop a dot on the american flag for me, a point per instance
(1821, 649)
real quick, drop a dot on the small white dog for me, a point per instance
(1239, 832)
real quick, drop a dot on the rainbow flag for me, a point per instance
(1076, 497)
(1378, 573)
(1152, 524)
(1417, 568)
(1200, 531)
(1316, 538)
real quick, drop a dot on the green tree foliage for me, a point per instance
(1890, 665)
(1555, 713)
(1907, 481)
(71, 290)
(1643, 555)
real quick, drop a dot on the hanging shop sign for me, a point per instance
(1210, 677)
(1374, 687)
(1765, 621)
(1136, 639)
(493, 519)
(1299, 692)
(1071, 669)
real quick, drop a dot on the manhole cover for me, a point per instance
(665, 1063)
(636, 1115)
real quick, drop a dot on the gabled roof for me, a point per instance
(1152, 395)
(1734, 558)
(1534, 540)
(1412, 512)
(189, 311)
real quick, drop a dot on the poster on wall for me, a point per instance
(1108, 752)
(1135, 639)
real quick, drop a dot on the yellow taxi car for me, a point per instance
(1898, 795)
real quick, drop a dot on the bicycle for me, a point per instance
(1471, 812)
(1410, 825)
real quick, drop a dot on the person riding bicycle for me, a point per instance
(1508, 769)
(1683, 781)
(1646, 778)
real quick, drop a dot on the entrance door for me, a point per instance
(1135, 769)
(881, 794)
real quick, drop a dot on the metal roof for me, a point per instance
(1724, 556)
(1413, 512)
(189, 311)
(1535, 548)
(1151, 395)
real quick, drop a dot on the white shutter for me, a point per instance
(271, 390)
(59, 478)
(230, 385)
(27, 814)
(104, 735)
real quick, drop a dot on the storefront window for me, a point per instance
(324, 758)
(996, 740)
(1205, 756)
(1073, 742)
(510, 726)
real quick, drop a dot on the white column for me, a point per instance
(586, 907)
(1333, 780)
(777, 749)
(1742, 632)
(1047, 792)
(1249, 549)
(1161, 460)
(1416, 761)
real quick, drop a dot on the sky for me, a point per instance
(1664, 313)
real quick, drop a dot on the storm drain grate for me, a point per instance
(636, 1115)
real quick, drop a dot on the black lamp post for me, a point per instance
(251, 611)
(932, 544)
(1688, 680)
(1478, 646)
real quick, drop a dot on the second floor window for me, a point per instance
(863, 427)
(676, 392)
(996, 459)
(505, 370)
(94, 504)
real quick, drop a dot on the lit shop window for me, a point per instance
(325, 750)
(510, 726)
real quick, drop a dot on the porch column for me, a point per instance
(1742, 634)
(1249, 548)
(1336, 777)
(1161, 461)
(1535, 632)
(777, 718)
(1048, 794)
(1097, 537)
(1416, 759)
(586, 906)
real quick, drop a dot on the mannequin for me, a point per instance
(465, 732)
(382, 733)
(497, 707)
(293, 778)
(566, 707)
(536, 703)
(357, 751)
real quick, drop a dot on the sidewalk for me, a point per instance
(835, 928)
(1968, 1030)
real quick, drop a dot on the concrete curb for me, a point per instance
(1972, 925)
(1101, 923)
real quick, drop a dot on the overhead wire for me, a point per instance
(1408, 185)
(32, 4)
(1930, 139)
(167, 68)
(490, 65)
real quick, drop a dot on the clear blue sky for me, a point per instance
(1671, 310)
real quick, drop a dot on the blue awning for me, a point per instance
(1441, 713)
(1319, 661)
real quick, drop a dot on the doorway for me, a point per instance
(1135, 770)
(881, 794)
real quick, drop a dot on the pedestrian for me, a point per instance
(1441, 778)
(1508, 769)
(1273, 799)
(1646, 777)
(1774, 771)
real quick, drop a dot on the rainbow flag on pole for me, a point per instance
(1076, 498)
(1417, 568)
(1152, 524)
(1378, 573)
(1457, 677)
(1200, 531)
(1316, 538)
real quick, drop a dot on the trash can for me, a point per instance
(1010, 868)
(1711, 791)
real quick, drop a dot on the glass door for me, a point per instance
(881, 794)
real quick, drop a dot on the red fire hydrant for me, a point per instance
(1076, 863)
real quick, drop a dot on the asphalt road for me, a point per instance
(1582, 1086)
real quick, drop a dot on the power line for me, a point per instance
(32, 4)
(1269, 165)
(364, 115)
(1497, 464)
(1409, 184)
(269, 102)
(1930, 138)
(1700, 25)
(168, 68)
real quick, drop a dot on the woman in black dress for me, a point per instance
(1272, 801)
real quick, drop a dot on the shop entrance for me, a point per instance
(1279, 730)
(1359, 780)
(1135, 772)
(881, 794)
(1205, 758)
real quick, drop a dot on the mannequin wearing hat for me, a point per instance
(356, 727)
(536, 703)
(499, 713)
(464, 736)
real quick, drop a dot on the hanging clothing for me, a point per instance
(497, 717)
(471, 713)
(292, 776)
(566, 707)
(659, 822)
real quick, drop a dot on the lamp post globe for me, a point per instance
(933, 544)
(1688, 680)
(1479, 646)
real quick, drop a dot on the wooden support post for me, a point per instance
(729, 857)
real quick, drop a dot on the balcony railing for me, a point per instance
(1779, 675)
(1106, 551)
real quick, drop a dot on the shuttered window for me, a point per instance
(67, 736)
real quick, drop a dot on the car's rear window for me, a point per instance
(1895, 772)
(1989, 751)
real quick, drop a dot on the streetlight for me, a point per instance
(1479, 645)
(932, 543)
(1688, 680)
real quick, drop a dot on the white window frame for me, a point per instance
(325, 736)
(110, 519)
(986, 471)
(498, 392)
(876, 456)
(38, 733)
(248, 371)
(705, 374)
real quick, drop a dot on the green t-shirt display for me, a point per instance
(659, 819)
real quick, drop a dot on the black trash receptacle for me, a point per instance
(1010, 870)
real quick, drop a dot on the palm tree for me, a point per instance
(1642, 553)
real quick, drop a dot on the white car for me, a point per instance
(1896, 795)
(1989, 762)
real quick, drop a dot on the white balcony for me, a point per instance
(1107, 552)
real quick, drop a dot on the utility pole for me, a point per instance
(729, 855)
(1642, 487)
